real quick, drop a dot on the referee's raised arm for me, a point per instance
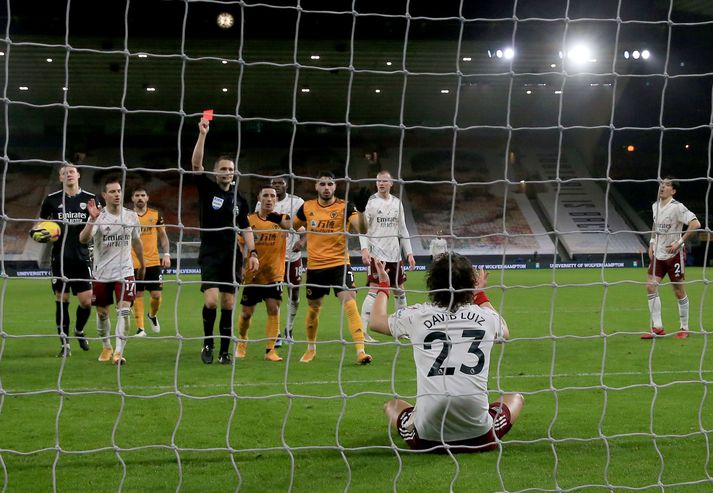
(197, 159)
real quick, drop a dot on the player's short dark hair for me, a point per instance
(111, 179)
(674, 181)
(280, 178)
(266, 185)
(224, 157)
(325, 174)
(139, 188)
(451, 281)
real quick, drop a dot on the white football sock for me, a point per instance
(104, 331)
(683, 312)
(366, 307)
(655, 310)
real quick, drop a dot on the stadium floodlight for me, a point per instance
(224, 62)
(508, 53)
(225, 89)
(64, 88)
(528, 91)
(490, 54)
(626, 54)
(630, 148)
(24, 88)
(2, 53)
(553, 65)
(645, 54)
(304, 89)
(150, 89)
(635, 54)
(49, 60)
(558, 91)
(143, 55)
(580, 54)
(314, 57)
(445, 91)
(499, 53)
(388, 64)
(377, 91)
(467, 59)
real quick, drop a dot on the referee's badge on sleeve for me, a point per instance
(217, 203)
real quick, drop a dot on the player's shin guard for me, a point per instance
(122, 323)
(311, 326)
(355, 324)
(225, 326)
(400, 301)
(61, 317)
(155, 305)
(209, 315)
(139, 310)
(366, 309)
(273, 330)
(683, 312)
(82, 317)
(655, 310)
(104, 331)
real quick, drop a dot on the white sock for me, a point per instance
(655, 310)
(400, 301)
(104, 331)
(122, 323)
(292, 307)
(366, 307)
(683, 312)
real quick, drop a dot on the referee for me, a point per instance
(222, 211)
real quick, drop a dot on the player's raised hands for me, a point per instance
(481, 278)
(203, 126)
(92, 208)
(381, 271)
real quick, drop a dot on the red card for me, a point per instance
(208, 114)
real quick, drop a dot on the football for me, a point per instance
(52, 228)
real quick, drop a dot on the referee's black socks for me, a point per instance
(209, 315)
(226, 321)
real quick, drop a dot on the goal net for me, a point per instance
(532, 136)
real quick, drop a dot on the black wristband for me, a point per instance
(253, 252)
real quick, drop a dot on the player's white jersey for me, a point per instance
(289, 205)
(669, 221)
(452, 356)
(438, 246)
(387, 234)
(112, 244)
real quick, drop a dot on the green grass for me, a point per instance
(166, 421)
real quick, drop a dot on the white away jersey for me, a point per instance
(669, 221)
(452, 378)
(387, 234)
(112, 244)
(439, 246)
(289, 205)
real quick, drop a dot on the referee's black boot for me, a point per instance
(207, 355)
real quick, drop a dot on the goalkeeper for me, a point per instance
(452, 338)
(71, 270)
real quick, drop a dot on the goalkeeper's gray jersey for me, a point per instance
(387, 234)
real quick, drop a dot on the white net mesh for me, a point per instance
(533, 134)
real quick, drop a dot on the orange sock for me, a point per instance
(155, 304)
(139, 311)
(312, 324)
(355, 324)
(273, 330)
(243, 326)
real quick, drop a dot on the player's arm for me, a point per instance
(38, 234)
(139, 251)
(299, 220)
(85, 235)
(693, 225)
(364, 243)
(405, 239)
(165, 247)
(300, 244)
(197, 158)
(379, 319)
(358, 221)
(249, 239)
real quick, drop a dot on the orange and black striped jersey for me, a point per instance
(327, 228)
(150, 222)
(270, 243)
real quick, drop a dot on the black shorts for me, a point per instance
(217, 272)
(252, 295)
(153, 279)
(78, 273)
(320, 281)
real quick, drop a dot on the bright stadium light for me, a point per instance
(445, 91)
(508, 53)
(314, 57)
(645, 54)
(636, 54)
(553, 65)
(143, 55)
(626, 54)
(388, 64)
(225, 89)
(377, 91)
(24, 88)
(49, 60)
(224, 62)
(305, 89)
(499, 53)
(467, 59)
(150, 89)
(558, 92)
(580, 54)
(528, 91)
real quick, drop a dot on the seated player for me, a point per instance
(452, 339)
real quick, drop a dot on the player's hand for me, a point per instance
(411, 263)
(140, 273)
(253, 263)
(365, 258)
(40, 235)
(92, 208)
(381, 270)
(203, 126)
(481, 279)
(166, 262)
(361, 198)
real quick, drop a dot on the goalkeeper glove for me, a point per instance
(361, 198)
(40, 235)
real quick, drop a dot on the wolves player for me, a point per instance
(115, 230)
(668, 256)
(70, 258)
(289, 204)
(452, 339)
(386, 237)
(153, 232)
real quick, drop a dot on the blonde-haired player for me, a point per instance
(153, 232)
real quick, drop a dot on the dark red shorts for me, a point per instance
(103, 293)
(293, 273)
(675, 267)
(397, 275)
(502, 423)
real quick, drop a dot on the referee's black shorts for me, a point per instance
(220, 271)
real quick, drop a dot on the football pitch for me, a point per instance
(603, 411)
